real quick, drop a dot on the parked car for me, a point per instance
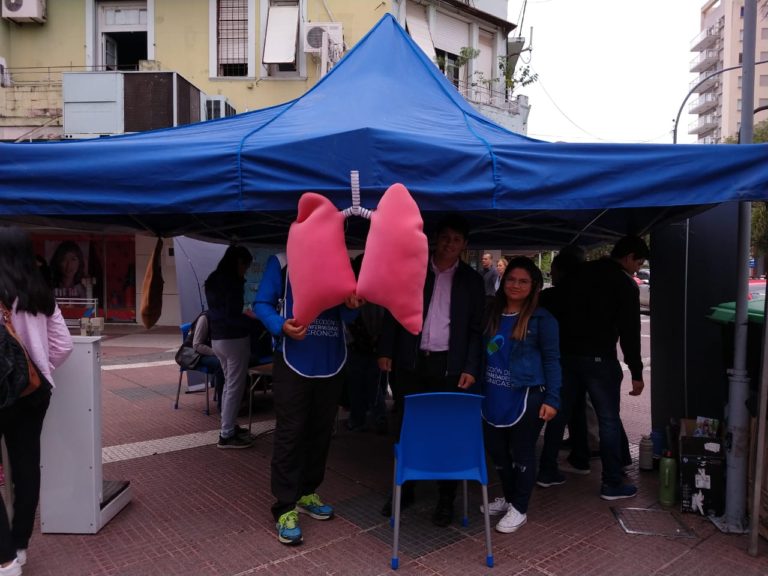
(643, 279)
(756, 289)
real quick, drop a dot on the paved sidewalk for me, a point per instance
(197, 510)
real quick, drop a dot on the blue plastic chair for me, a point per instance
(441, 439)
(202, 369)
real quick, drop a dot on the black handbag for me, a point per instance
(187, 358)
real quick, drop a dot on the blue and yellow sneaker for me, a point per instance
(312, 505)
(288, 530)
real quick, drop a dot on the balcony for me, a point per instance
(706, 39)
(703, 103)
(704, 124)
(706, 86)
(707, 140)
(706, 59)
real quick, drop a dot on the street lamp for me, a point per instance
(692, 90)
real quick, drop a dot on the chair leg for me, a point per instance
(207, 402)
(251, 390)
(465, 517)
(487, 518)
(396, 534)
(178, 390)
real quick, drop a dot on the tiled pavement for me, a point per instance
(197, 510)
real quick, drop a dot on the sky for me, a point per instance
(609, 70)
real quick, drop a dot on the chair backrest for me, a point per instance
(185, 330)
(442, 438)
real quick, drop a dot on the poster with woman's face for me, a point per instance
(68, 262)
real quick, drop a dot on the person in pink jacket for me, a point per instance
(41, 328)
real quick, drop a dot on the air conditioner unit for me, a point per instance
(24, 10)
(313, 36)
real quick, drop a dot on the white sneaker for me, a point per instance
(512, 521)
(498, 506)
(21, 557)
(13, 569)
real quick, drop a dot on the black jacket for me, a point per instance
(465, 340)
(225, 307)
(601, 306)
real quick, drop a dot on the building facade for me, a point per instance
(717, 100)
(239, 54)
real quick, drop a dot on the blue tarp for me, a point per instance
(386, 111)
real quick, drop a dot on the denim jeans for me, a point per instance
(601, 379)
(513, 452)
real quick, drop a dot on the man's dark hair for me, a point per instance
(455, 222)
(631, 245)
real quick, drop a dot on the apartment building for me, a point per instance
(91, 68)
(717, 100)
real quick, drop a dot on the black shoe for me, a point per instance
(443, 514)
(234, 442)
(242, 431)
(406, 500)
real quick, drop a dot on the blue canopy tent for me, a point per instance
(386, 111)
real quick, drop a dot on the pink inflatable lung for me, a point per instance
(394, 267)
(318, 265)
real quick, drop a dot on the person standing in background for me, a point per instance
(31, 307)
(230, 334)
(490, 275)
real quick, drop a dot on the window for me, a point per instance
(232, 37)
(738, 82)
(281, 41)
(763, 56)
(449, 65)
(280, 29)
(741, 57)
(764, 34)
(762, 102)
(738, 105)
(763, 80)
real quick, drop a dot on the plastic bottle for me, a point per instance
(645, 460)
(667, 480)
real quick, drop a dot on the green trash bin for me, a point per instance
(725, 314)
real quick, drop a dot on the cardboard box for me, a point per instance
(702, 485)
(692, 445)
(702, 471)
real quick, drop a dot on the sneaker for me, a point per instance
(21, 557)
(288, 530)
(512, 521)
(548, 479)
(571, 469)
(234, 442)
(242, 431)
(312, 505)
(617, 492)
(497, 507)
(13, 569)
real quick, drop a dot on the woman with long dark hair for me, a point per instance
(521, 385)
(230, 333)
(32, 309)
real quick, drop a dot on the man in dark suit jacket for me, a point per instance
(446, 356)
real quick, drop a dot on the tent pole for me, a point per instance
(737, 432)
